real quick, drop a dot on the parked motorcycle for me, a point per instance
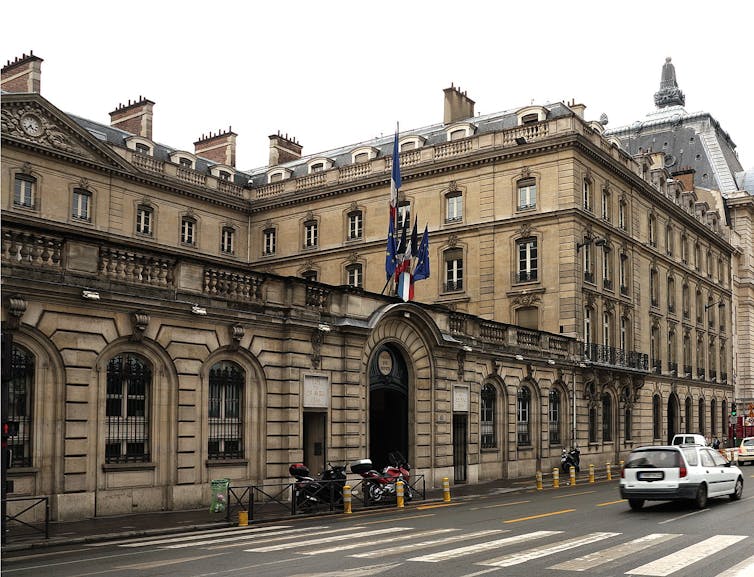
(310, 491)
(570, 459)
(381, 486)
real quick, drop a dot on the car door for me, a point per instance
(713, 473)
(729, 473)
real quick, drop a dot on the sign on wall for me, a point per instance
(316, 392)
(461, 398)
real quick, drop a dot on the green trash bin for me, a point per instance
(219, 495)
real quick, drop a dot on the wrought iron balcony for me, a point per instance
(525, 276)
(453, 286)
(607, 284)
(624, 290)
(673, 367)
(588, 276)
(616, 357)
(657, 366)
(700, 373)
(687, 369)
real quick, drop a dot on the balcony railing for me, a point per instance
(233, 285)
(607, 284)
(616, 357)
(588, 276)
(687, 370)
(657, 367)
(136, 267)
(673, 368)
(525, 276)
(453, 286)
(723, 377)
(624, 290)
(700, 373)
(31, 249)
(712, 374)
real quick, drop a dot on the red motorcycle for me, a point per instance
(382, 486)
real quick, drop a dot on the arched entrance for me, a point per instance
(388, 405)
(673, 414)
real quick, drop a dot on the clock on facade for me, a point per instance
(31, 125)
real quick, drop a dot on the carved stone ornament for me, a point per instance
(31, 123)
(268, 223)
(525, 230)
(588, 173)
(609, 306)
(589, 298)
(461, 361)
(353, 257)
(525, 172)
(139, 324)
(353, 206)
(452, 186)
(526, 300)
(26, 168)
(84, 183)
(309, 215)
(316, 356)
(16, 309)
(237, 332)
(453, 240)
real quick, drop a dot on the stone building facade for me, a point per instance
(175, 319)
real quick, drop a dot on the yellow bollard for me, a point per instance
(620, 464)
(573, 476)
(609, 472)
(399, 494)
(347, 499)
(591, 473)
(445, 490)
(556, 478)
(539, 480)
(243, 518)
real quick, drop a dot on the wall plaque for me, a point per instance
(316, 392)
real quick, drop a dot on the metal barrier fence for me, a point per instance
(25, 520)
(279, 499)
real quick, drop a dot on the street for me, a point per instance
(581, 530)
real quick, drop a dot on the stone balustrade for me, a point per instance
(136, 268)
(233, 285)
(148, 163)
(31, 249)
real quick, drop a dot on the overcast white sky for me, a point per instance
(332, 73)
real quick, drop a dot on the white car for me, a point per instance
(689, 439)
(672, 472)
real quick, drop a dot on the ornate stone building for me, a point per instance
(175, 319)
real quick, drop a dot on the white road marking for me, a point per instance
(348, 535)
(379, 541)
(683, 516)
(357, 572)
(544, 551)
(688, 556)
(486, 546)
(744, 569)
(248, 533)
(260, 537)
(423, 544)
(587, 562)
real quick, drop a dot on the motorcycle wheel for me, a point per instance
(565, 467)
(375, 492)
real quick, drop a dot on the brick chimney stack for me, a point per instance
(686, 177)
(24, 74)
(219, 148)
(457, 105)
(283, 149)
(134, 117)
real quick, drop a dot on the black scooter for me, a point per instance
(311, 492)
(570, 459)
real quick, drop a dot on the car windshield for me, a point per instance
(653, 458)
(748, 442)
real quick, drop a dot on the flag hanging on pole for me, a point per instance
(422, 259)
(390, 253)
(403, 270)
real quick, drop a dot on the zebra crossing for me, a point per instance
(489, 548)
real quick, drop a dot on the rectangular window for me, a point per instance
(355, 225)
(355, 276)
(404, 215)
(270, 241)
(23, 190)
(527, 260)
(142, 149)
(310, 275)
(587, 195)
(605, 205)
(527, 194)
(310, 234)
(144, 220)
(454, 207)
(188, 231)
(227, 240)
(622, 216)
(186, 162)
(453, 272)
(81, 203)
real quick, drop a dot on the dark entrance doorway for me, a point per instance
(388, 406)
(314, 441)
(673, 413)
(460, 430)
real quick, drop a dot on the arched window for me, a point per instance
(607, 417)
(225, 411)
(656, 419)
(593, 424)
(18, 411)
(654, 287)
(627, 424)
(702, 414)
(687, 417)
(554, 413)
(487, 427)
(686, 302)
(671, 294)
(129, 384)
(523, 417)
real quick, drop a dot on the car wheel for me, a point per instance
(738, 491)
(636, 504)
(701, 497)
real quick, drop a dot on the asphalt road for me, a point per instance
(583, 530)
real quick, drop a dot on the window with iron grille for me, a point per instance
(607, 418)
(523, 416)
(18, 411)
(144, 218)
(81, 203)
(225, 411)
(24, 187)
(355, 224)
(129, 383)
(528, 262)
(554, 416)
(487, 417)
(270, 241)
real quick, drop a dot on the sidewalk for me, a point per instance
(174, 522)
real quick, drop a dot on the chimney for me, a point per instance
(457, 105)
(219, 148)
(686, 177)
(134, 117)
(24, 74)
(578, 109)
(283, 149)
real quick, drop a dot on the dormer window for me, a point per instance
(186, 162)
(278, 175)
(319, 164)
(363, 154)
(183, 159)
(143, 149)
(140, 145)
(317, 167)
(459, 131)
(529, 119)
(410, 143)
(531, 115)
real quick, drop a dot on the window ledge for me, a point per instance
(226, 462)
(21, 471)
(116, 467)
(489, 450)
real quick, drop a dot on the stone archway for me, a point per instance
(388, 404)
